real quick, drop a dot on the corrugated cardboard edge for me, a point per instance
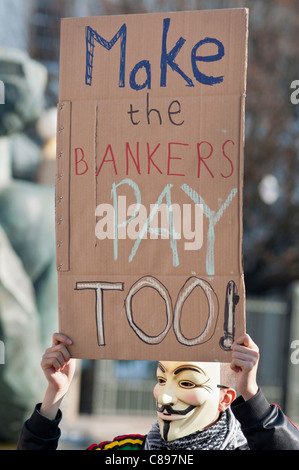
(241, 176)
(61, 190)
(62, 186)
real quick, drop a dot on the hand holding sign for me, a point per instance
(59, 370)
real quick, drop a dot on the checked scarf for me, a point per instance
(217, 437)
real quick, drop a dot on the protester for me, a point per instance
(197, 408)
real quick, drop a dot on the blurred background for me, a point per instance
(103, 402)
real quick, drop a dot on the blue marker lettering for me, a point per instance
(134, 186)
(91, 37)
(213, 218)
(167, 58)
(201, 77)
(147, 83)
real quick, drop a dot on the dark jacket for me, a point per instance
(265, 427)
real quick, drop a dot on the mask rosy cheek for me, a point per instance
(156, 391)
(195, 397)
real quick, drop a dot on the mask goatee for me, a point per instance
(166, 429)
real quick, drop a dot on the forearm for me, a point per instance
(41, 430)
(51, 402)
(249, 391)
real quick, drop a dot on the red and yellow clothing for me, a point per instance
(125, 442)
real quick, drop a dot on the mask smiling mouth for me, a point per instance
(167, 410)
(168, 414)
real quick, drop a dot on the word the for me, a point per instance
(295, 354)
(173, 109)
(167, 59)
(173, 315)
(114, 223)
(295, 94)
(147, 159)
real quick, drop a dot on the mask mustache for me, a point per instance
(170, 410)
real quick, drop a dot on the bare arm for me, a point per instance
(59, 370)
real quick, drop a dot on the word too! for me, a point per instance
(173, 315)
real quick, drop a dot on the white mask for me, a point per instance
(187, 397)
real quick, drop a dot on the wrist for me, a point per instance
(51, 402)
(249, 393)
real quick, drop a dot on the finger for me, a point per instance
(235, 367)
(243, 339)
(62, 349)
(246, 341)
(61, 338)
(58, 354)
(58, 347)
(245, 360)
(52, 364)
(246, 355)
(245, 350)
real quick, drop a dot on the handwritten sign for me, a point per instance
(149, 184)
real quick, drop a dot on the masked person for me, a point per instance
(193, 409)
(197, 408)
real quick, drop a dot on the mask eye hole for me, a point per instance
(187, 384)
(161, 381)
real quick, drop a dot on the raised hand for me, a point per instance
(245, 359)
(59, 369)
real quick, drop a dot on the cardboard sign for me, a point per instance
(149, 184)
